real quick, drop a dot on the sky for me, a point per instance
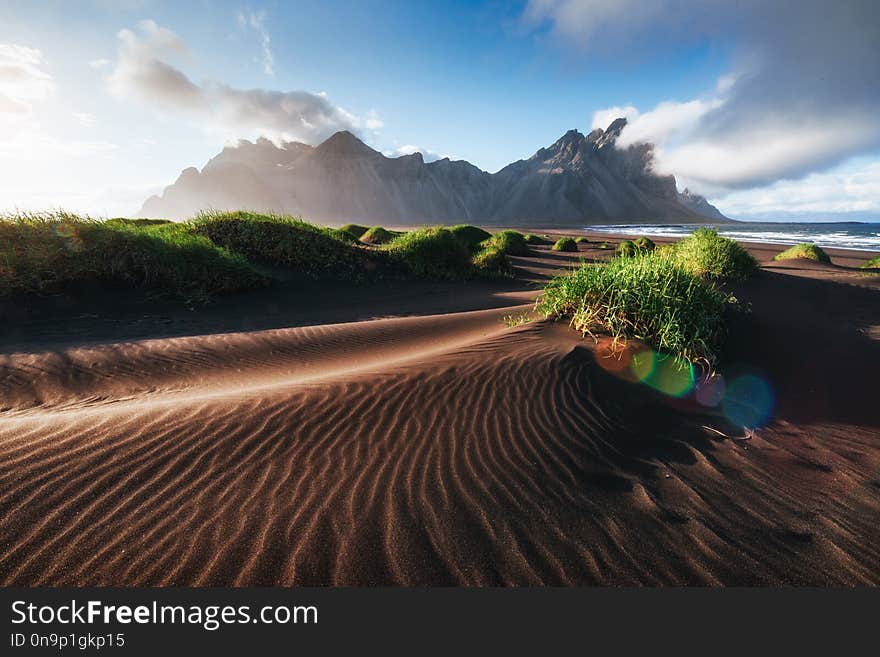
(766, 108)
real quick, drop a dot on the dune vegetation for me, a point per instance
(667, 298)
(707, 254)
(581, 240)
(644, 243)
(433, 253)
(873, 263)
(289, 242)
(220, 252)
(39, 252)
(566, 244)
(808, 251)
(470, 236)
(378, 235)
(355, 230)
(536, 240)
(509, 242)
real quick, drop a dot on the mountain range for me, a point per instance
(578, 180)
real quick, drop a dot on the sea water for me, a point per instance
(844, 235)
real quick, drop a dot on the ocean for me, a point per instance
(844, 235)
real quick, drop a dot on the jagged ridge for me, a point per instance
(577, 180)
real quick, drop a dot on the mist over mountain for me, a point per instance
(579, 179)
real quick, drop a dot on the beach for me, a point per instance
(418, 433)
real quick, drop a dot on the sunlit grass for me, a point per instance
(808, 251)
(707, 254)
(39, 252)
(649, 297)
(566, 244)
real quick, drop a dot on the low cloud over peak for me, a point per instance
(142, 70)
(802, 96)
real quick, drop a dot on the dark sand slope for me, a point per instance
(442, 449)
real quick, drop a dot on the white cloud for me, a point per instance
(141, 71)
(800, 96)
(22, 79)
(843, 190)
(409, 149)
(85, 119)
(373, 122)
(100, 63)
(257, 22)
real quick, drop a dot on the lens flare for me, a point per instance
(710, 391)
(671, 376)
(748, 401)
(642, 364)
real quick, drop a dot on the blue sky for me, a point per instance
(90, 127)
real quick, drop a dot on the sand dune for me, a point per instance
(439, 449)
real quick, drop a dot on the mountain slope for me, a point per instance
(577, 180)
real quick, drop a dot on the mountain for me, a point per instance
(700, 205)
(577, 180)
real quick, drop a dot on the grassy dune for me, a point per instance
(219, 252)
(667, 298)
(808, 251)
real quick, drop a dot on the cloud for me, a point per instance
(22, 79)
(100, 63)
(409, 149)
(801, 95)
(257, 21)
(141, 71)
(85, 119)
(847, 190)
(373, 122)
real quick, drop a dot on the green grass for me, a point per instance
(512, 321)
(644, 243)
(377, 235)
(808, 251)
(342, 235)
(492, 262)
(604, 246)
(289, 242)
(648, 297)
(354, 229)
(565, 244)
(40, 252)
(873, 263)
(536, 240)
(141, 223)
(627, 249)
(707, 254)
(509, 242)
(433, 253)
(582, 240)
(470, 236)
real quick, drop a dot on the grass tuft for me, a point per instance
(536, 240)
(648, 297)
(566, 244)
(582, 240)
(707, 254)
(627, 249)
(470, 236)
(644, 243)
(354, 229)
(873, 263)
(808, 251)
(432, 253)
(377, 235)
(509, 242)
